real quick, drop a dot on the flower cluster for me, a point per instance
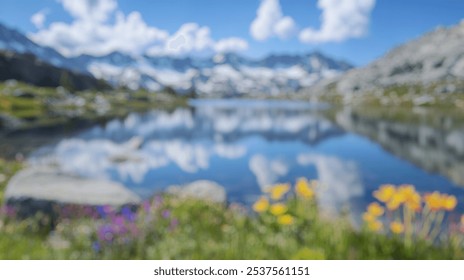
(119, 227)
(273, 201)
(395, 197)
(8, 212)
(407, 212)
(108, 228)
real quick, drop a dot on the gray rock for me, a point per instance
(9, 122)
(49, 184)
(436, 56)
(204, 190)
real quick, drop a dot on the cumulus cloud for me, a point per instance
(129, 34)
(270, 22)
(341, 20)
(285, 27)
(38, 19)
(192, 38)
(94, 10)
(100, 28)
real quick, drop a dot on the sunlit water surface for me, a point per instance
(245, 146)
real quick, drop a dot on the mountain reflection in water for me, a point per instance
(246, 146)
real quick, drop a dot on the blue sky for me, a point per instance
(355, 30)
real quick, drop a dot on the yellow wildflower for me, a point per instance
(433, 201)
(449, 202)
(261, 205)
(285, 219)
(279, 190)
(278, 209)
(368, 217)
(397, 227)
(385, 193)
(410, 197)
(375, 226)
(303, 189)
(396, 200)
(375, 209)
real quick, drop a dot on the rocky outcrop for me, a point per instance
(50, 184)
(437, 57)
(203, 189)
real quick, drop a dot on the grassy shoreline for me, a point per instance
(26, 107)
(286, 225)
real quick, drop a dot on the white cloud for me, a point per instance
(285, 28)
(341, 20)
(270, 22)
(100, 28)
(192, 38)
(93, 10)
(38, 19)
(129, 34)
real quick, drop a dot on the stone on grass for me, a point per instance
(203, 189)
(49, 184)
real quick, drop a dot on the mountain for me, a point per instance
(437, 58)
(224, 74)
(12, 40)
(28, 68)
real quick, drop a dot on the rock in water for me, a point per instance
(50, 184)
(205, 190)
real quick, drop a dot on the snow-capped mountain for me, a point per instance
(222, 74)
(12, 40)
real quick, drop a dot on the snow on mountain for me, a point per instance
(12, 40)
(227, 74)
(222, 74)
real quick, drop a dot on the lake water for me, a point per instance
(246, 146)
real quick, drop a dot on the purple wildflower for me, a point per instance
(104, 211)
(105, 233)
(166, 214)
(10, 211)
(157, 201)
(119, 225)
(89, 211)
(134, 230)
(128, 214)
(146, 206)
(96, 246)
(174, 224)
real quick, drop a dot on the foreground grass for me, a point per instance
(286, 225)
(7, 169)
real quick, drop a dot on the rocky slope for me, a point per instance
(14, 41)
(435, 58)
